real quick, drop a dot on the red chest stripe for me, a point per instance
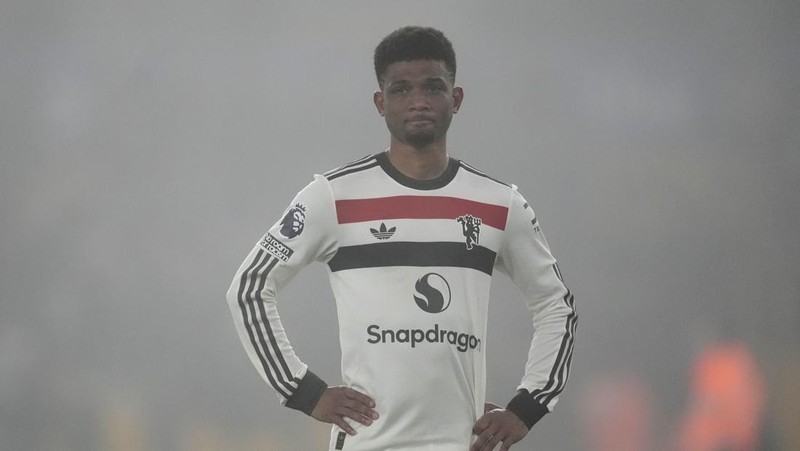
(419, 207)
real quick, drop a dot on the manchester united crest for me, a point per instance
(471, 227)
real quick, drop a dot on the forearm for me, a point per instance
(252, 300)
(286, 248)
(550, 356)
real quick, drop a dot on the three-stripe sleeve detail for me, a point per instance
(560, 372)
(356, 166)
(558, 272)
(260, 333)
(482, 174)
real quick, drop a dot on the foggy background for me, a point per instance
(146, 146)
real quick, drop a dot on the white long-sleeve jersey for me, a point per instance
(410, 263)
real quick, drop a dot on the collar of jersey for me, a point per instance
(439, 182)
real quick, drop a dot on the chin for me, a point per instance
(420, 140)
(420, 144)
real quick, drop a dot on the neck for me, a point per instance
(421, 164)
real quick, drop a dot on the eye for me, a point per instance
(399, 90)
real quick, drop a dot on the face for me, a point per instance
(418, 100)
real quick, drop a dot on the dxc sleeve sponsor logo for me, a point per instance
(276, 248)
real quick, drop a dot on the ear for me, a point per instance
(377, 97)
(458, 97)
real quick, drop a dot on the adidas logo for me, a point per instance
(382, 233)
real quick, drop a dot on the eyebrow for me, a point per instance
(425, 81)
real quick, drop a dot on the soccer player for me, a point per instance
(411, 237)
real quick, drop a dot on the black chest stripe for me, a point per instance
(413, 254)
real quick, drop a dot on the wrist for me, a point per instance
(308, 393)
(526, 408)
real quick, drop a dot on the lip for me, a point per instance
(420, 120)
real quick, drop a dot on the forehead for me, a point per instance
(416, 70)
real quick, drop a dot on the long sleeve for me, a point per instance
(306, 233)
(526, 258)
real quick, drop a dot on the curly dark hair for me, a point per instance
(414, 43)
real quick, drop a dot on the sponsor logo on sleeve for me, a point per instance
(294, 221)
(276, 248)
(534, 221)
(535, 224)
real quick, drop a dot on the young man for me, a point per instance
(411, 238)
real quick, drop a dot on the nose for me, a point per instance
(418, 101)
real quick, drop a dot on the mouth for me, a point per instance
(419, 120)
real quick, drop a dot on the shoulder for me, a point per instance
(473, 171)
(353, 167)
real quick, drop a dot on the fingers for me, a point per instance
(358, 406)
(343, 425)
(340, 404)
(495, 427)
(487, 441)
(482, 423)
(486, 437)
(356, 412)
(359, 397)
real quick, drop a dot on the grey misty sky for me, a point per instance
(146, 146)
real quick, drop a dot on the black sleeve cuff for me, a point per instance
(308, 392)
(526, 408)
